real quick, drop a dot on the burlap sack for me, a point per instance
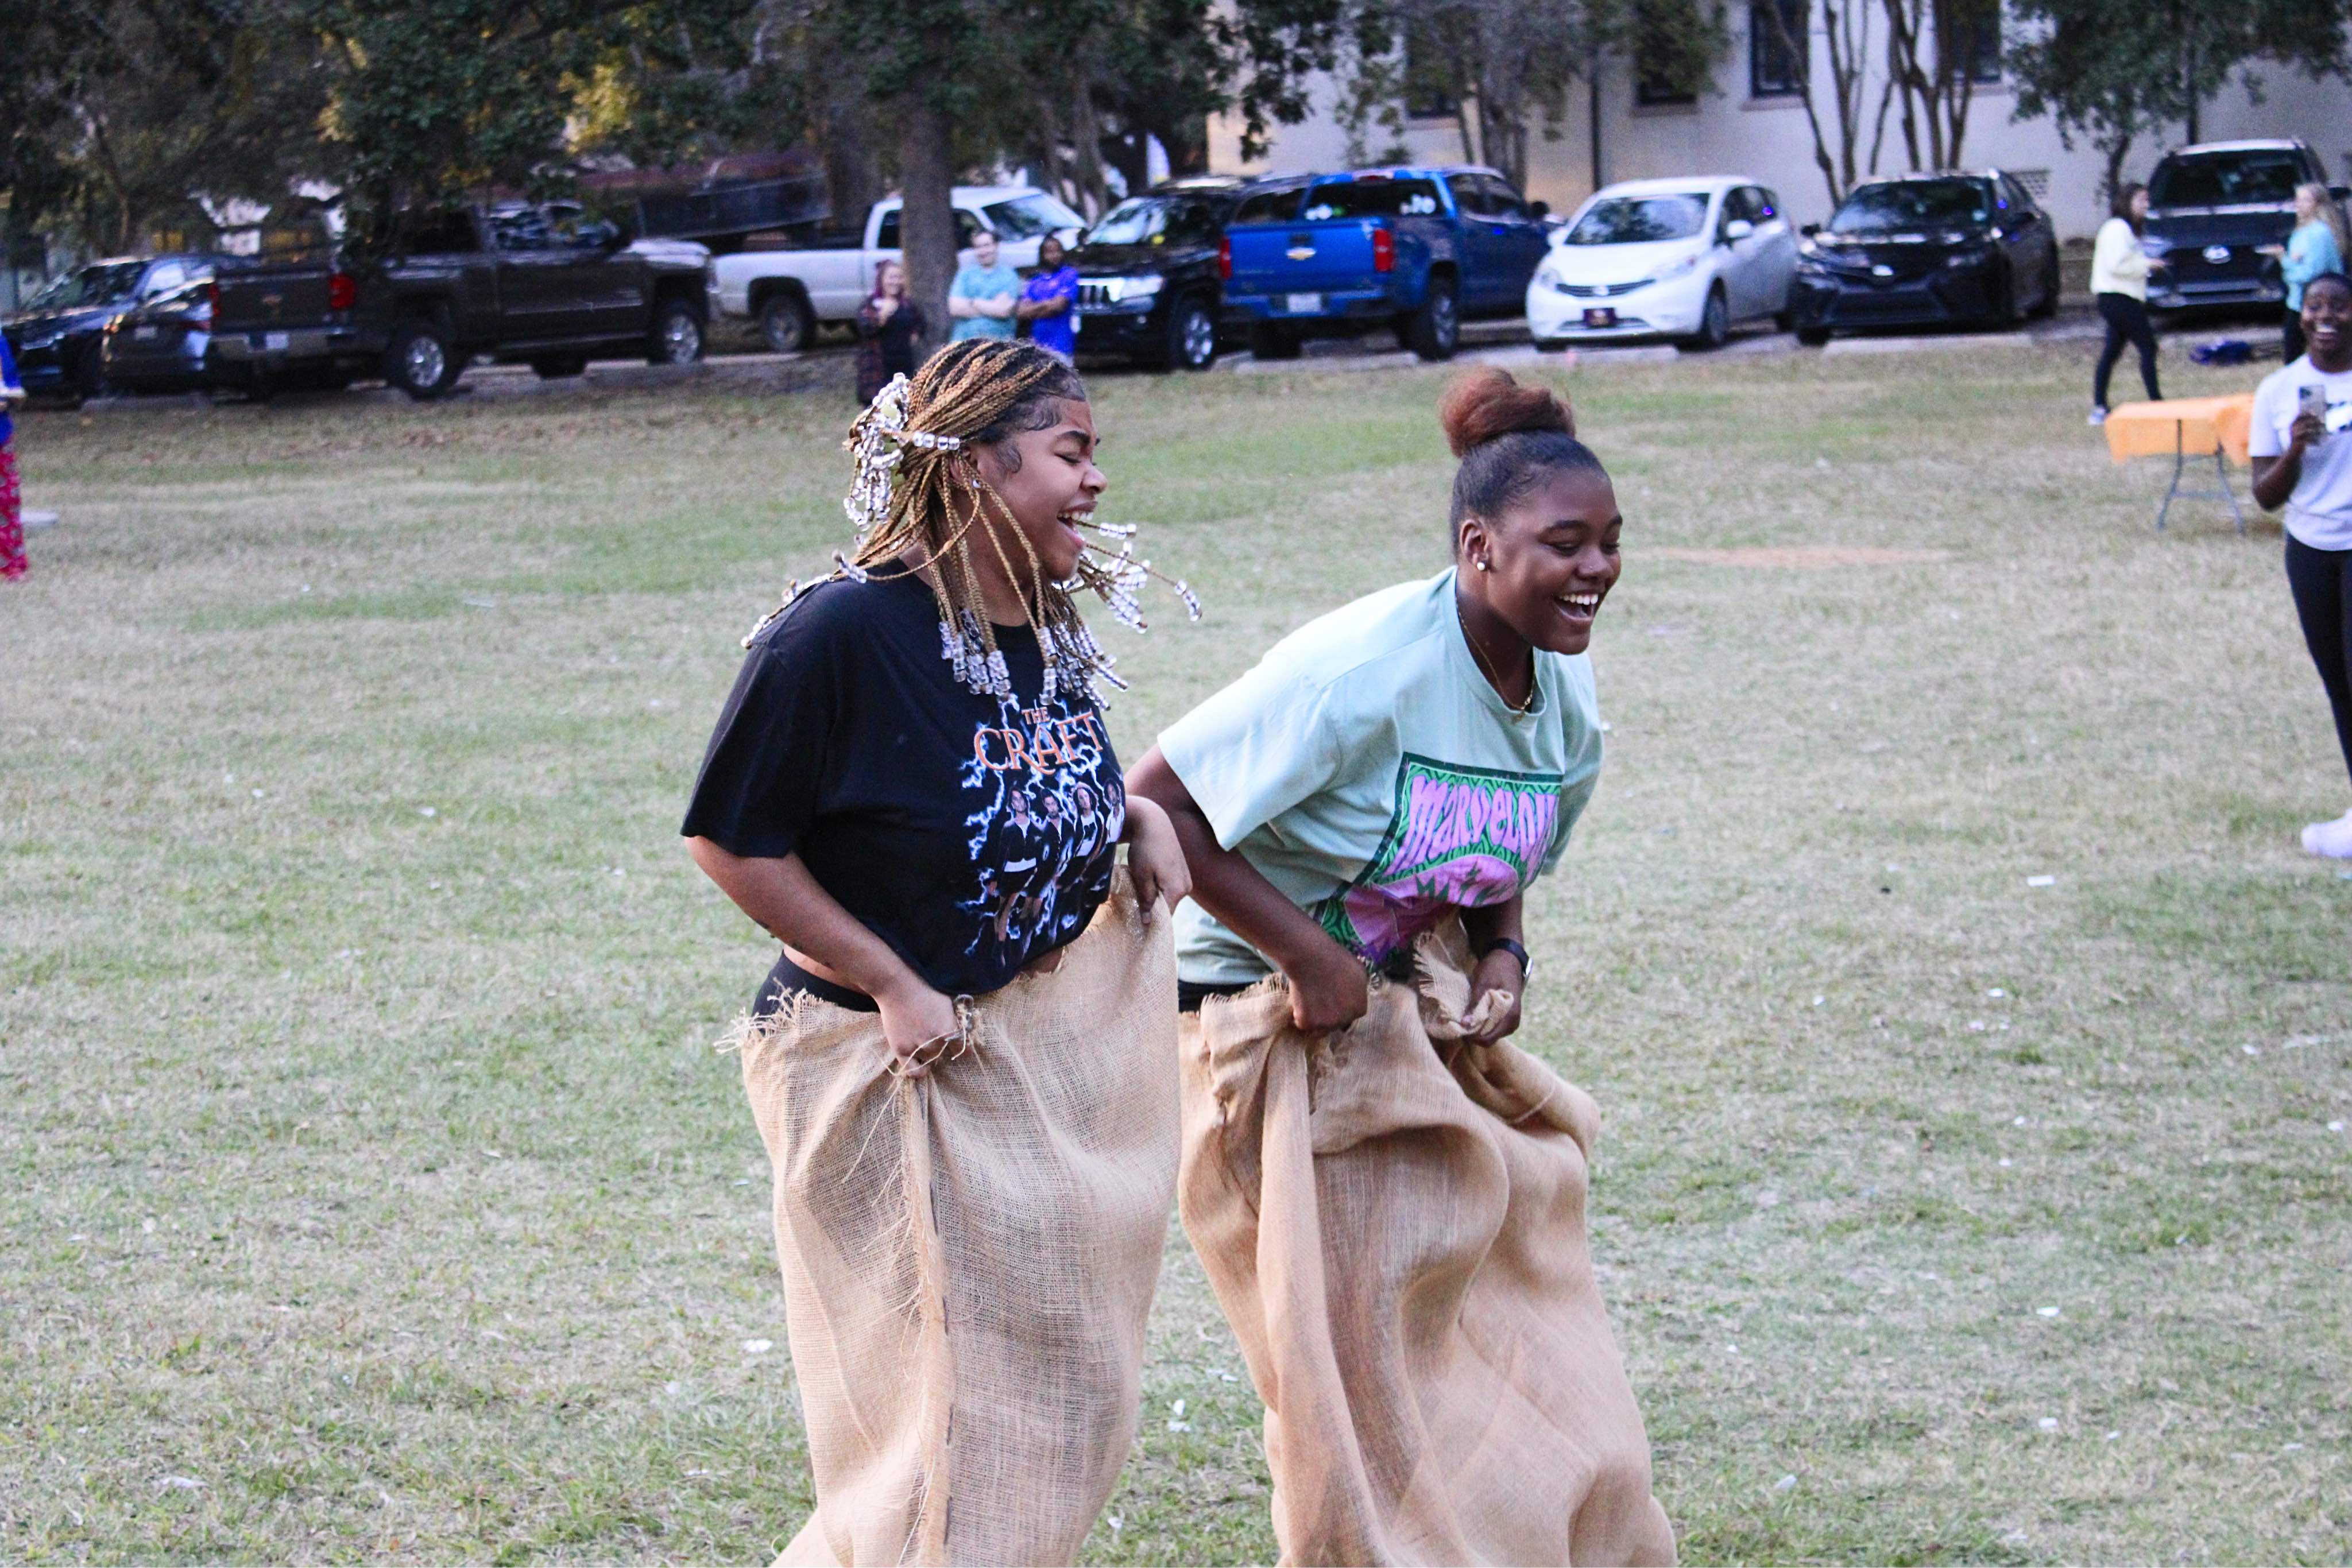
(1394, 1219)
(969, 1255)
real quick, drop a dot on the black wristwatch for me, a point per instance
(1505, 945)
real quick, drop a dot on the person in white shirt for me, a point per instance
(2301, 445)
(2119, 269)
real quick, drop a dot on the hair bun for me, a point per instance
(1487, 405)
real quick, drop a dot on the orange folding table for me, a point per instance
(2183, 429)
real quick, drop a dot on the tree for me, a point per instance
(2115, 70)
(122, 113)
(1847, 37)
(1933, 51)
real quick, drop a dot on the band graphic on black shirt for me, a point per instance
(1047, 813)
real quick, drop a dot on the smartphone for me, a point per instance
(2312, 400)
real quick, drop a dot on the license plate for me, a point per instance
(274, 342)
(143, 333)
(1304, 304)
(1601, 317)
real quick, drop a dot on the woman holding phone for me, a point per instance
(2301, 445)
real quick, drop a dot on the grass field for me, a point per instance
(369, 1185)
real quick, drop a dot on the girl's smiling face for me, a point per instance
(1551, 557)
(1048, 479)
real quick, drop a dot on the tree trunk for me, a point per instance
(853, 161)
(928, 225)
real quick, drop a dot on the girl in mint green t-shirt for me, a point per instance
(1423, 750)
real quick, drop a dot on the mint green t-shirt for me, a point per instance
(973, 281)
(1373, 774)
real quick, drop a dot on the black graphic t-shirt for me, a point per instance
(971, 835)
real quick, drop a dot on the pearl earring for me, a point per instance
(1484, 566)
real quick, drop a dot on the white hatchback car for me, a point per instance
(1687, 259)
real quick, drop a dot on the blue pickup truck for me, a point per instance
(1416, 249)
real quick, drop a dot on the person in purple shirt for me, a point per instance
(12, 518)
(1049, 300)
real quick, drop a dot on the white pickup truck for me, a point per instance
(789, 292)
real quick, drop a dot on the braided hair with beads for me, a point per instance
(921, 496)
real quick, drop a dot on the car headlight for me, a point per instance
(2151, 245)
(35, 345)
(1677, 269)
(1975, 256)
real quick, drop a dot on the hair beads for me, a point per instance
(917, 496)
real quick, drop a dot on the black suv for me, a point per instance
(2210, 210)
(1927, 248)
(1150, 273)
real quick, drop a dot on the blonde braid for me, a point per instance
(921, 492)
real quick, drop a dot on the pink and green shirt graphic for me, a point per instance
(1460, 838)
(1368, 771)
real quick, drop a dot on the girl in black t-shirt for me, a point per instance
(893, 788)
(912, 787)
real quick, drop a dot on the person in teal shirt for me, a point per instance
(985, 290)
(2317, 246)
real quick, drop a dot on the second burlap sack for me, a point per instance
(969, 1257)
(1394, 1219)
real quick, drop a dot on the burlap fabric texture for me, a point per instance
(969, 1255)
(1394, 1219)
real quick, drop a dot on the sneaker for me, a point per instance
(2333, 840)
(2098, 414)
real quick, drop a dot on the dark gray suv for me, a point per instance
(2210, 210)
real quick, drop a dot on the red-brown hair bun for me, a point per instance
(1486, 405)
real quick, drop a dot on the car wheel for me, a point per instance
(2004, 300)
(558, 366)
(676, 334)
(1268, 342)
(2047, 306)
(1714, 322)
(1812, 337)
(786, 325)
(421, 361)
(1784, 321)
(1191, 337)
(1436, 327)
(89, 372)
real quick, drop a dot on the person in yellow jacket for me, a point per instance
(2119, 269)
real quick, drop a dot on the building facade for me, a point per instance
(1752, 120)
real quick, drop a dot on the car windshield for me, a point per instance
(90, 285)
(2226, 180)
(1157, 220)
(1372, 199)
(1640, 220)
(1031, 217)
(1133, 222)
(1905, 205)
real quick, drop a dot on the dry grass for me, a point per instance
(372, 1189)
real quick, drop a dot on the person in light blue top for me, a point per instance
(2317, 247)
(985, 291)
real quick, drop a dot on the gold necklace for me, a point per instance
(1488, 670)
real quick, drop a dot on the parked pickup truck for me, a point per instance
(789, 292)
(1416, 248)
(537, 285)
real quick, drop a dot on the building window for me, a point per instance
(1973, 28)
(1778, 37)
(1432, 74)
(1666, 70)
